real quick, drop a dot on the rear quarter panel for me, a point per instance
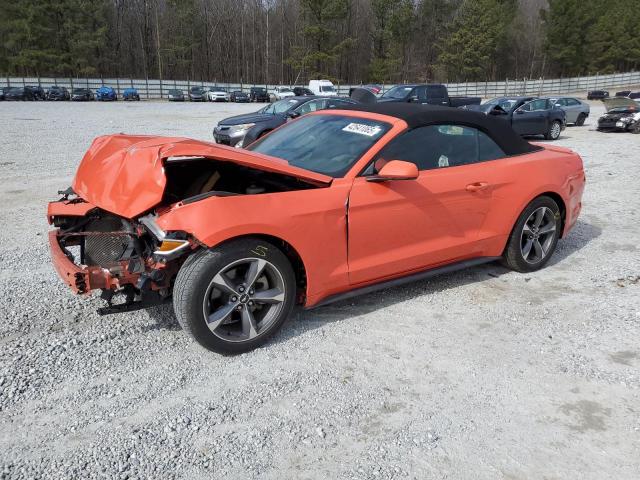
(516, 181)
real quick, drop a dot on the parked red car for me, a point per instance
(335, 203)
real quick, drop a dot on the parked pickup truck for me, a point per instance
(433, 94)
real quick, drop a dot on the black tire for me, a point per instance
(636, 128)
(195, 282)
(580, 120)
(553, 133)
(514, 254)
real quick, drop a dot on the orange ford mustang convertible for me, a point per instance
(333, 204)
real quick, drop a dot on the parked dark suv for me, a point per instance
(241, 130)
(3, 91)
(258, 94)
(19, 93)
(37, 91)
(58, 93)
(82, 95)
(197, 94)
(597, 95)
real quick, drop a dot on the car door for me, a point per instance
(405, 225)
(531, 118)
(574, 109)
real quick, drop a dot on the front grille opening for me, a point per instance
(104, 250)
(75, 251)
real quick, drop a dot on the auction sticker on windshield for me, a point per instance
(361, 129)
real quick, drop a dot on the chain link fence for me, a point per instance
(156, 89)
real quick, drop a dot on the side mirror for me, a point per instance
(519, 111)
(412, 98)
(293, 114)
(396, 170)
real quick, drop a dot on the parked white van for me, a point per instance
(322, 87)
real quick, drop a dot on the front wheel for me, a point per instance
(534, 237)
(554, 131)
(232, 298)
(580, 120)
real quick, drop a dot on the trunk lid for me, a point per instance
(124, 174)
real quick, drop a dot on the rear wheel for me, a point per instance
(580, 120)
(554, 131)
(534, 237)
(232, 298)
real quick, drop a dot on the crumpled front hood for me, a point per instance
(124, 174)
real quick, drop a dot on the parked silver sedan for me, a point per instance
(576, 110)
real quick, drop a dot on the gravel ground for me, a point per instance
(482, 374)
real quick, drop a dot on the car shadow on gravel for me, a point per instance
(163, 318)
(580, 236)
(305, 320)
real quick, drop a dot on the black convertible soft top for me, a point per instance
(420, 115)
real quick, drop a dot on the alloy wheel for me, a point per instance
(538, 234)
(555, 130)
(243, 299)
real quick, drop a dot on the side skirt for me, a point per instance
(452, 267)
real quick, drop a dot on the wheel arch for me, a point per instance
(556, 197)
(292, 254)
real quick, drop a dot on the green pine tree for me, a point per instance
(567, 24)
(323, 45)
(478, 34)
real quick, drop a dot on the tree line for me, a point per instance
(291, 41)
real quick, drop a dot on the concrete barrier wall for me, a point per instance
(155, 89)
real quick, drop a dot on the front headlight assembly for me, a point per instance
(240, 130)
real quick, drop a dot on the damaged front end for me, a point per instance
(107, 234)
(133, 260)
(623, 115)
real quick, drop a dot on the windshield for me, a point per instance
(175, 92)
(280, 106)
(197, 89)
(327, 88)
(218, 89)
(15, 89)
(397, 92)
(283, 89)
(328, 144)
(80, 91)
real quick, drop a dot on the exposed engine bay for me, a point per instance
(191, 179)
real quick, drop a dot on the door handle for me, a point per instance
(477, 187)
